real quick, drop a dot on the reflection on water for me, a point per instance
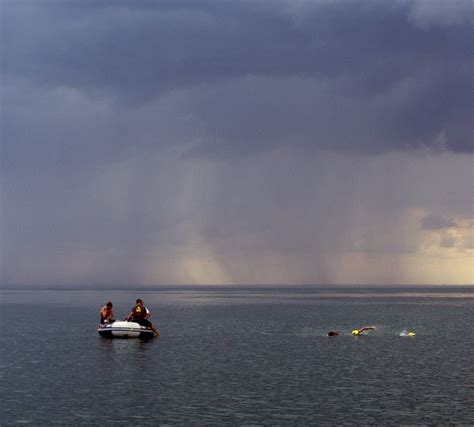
(253, 357)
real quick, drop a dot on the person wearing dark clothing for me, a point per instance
(140, 314)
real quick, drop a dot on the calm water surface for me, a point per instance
(240, 356)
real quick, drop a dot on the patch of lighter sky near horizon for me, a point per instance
(202, 262)
(197, 263)
(388, 248)
(203, 266)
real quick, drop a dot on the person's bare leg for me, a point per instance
(156, 331)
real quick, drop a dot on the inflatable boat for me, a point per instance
(124, 329)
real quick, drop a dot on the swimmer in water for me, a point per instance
(406, 333)
(363, 331)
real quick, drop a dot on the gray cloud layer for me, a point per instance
(365, 77)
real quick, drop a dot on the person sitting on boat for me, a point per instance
(140, 314)
(107, 313)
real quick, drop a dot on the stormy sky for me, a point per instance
(236, 142)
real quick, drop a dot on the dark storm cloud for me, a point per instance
(435, 221)
(360, 76)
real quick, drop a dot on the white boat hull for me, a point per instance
(123, 329)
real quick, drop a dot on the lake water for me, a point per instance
(245, 356)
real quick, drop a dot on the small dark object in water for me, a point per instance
(333, 333)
